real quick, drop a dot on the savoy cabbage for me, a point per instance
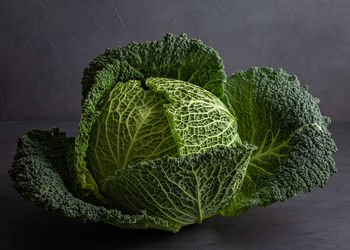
(166, 140)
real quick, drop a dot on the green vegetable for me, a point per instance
(166, 140)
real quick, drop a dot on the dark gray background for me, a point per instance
(45, 45)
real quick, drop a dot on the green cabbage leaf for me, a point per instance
(284, 121)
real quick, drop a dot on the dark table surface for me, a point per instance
(316, 220)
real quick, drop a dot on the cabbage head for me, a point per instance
(167, 140)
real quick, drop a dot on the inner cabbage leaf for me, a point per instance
(132, 127)
(171, 118)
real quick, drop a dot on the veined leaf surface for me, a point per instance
(294, 145)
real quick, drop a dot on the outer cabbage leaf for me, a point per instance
(41, 174)
(173, 117)
(174, 57)
(294, 146)
(183, 190)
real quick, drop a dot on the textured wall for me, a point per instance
(45, 45)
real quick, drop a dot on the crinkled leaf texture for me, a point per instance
(173, 118)
(190, 188)
(183, 190)
(175, 57)
(294, 146)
